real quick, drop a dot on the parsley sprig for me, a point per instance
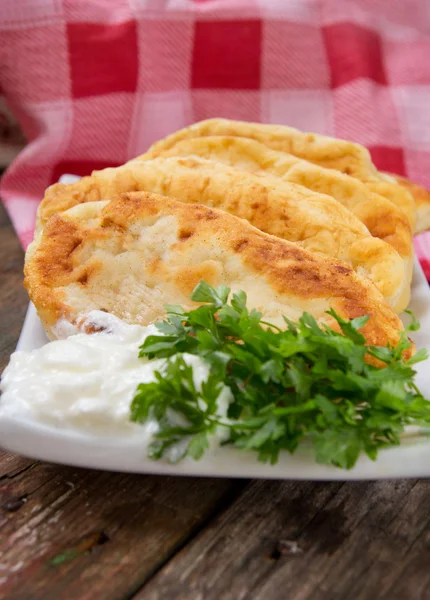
(304, 383)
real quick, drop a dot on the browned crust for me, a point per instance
(422, 202)
(382, 217)
(332, 153)
(293, 273)
(275, 206)
(342, 155)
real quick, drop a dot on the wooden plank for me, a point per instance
(13, 298)
(12, 464)
(94, 535)
(304, 541)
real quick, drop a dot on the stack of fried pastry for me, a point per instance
(299, 221)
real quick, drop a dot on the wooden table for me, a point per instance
(75, 533)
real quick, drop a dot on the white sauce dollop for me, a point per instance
(86, 381)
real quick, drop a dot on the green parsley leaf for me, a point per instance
(203, 292)
(270, 389)
(413, 325)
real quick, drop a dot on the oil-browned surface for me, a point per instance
(383, 218)
(316, 221)
(79, 534)
(162, 248)
(344, 156)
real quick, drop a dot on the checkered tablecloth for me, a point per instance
(95, 82)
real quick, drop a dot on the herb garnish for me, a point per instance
(306, 382)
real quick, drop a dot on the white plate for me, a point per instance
(411, 459)
(30, 438)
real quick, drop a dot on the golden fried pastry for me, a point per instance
(292, 212)
(341, 155)
(137, 252)
(422, 202)
(382, 218)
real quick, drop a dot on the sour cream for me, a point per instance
(87, 381)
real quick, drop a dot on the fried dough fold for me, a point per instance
(139, 251)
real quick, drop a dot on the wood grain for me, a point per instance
(307, 541)
(94, 535)
(13, 298)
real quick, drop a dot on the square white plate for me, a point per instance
(411, 459)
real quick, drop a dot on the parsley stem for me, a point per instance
(290, 410)
(271, 325)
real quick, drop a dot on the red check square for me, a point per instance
(166, 65)
(388, 159)
(226, 55)
(27, 74)
(294, 57)
(353, 52)
(417, 163)
(103, 58)
(78, 167)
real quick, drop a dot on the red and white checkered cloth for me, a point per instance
(95, 82)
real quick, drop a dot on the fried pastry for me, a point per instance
(139, 251)
(290, 211)
(383, 219)
(341, 155)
